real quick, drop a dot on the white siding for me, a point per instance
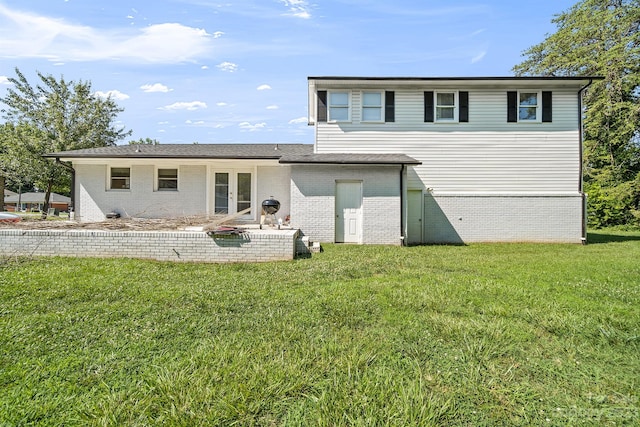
(487, 154)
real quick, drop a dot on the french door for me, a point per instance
(232, 191)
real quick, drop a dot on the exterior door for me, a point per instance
(349, 212)
(232, 192)
(415, 207)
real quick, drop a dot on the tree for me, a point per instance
(145, 141)
(56, 115)
(601, 38)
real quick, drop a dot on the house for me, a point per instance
(34, 202)
(395, 160)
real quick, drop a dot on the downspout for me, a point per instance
(581, 167)
(403, 241)
(73, 184)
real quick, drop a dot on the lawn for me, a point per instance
(485, 334)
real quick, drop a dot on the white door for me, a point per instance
(232, 192)
(415, 207)
(349, 212)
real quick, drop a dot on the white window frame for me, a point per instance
(455, 107)
(157, 179)
(110, 177)
(380, 107)
(331, 106)
(538, 107)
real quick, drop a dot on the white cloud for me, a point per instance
(252, 128)
(156, 87)
(478, 57)
(4, 80)
(298, 8)
(263, 87)
(113, 94)
(272, 107)
(191, 122)
(299, 120)
(228, 66)
(204, 67)
(29, 35)
(218, 34)
(189, 106)
(163, 123)
(221, 104)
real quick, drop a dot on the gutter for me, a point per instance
(581, 167)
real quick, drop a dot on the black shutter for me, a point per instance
(546, 107)
(389, 106)
(428, 106)
(322, 106)
(463, 98)
(512, 106)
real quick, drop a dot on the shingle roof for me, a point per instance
(286, 153)
(189, 151)
(36, 198)
(351, 159)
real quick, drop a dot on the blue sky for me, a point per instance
(233, 71)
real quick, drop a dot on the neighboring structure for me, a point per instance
(395, 160)
(34, 202)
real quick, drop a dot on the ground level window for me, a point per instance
(167, 179)
(120, 178)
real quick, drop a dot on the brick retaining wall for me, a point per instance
(253, 246)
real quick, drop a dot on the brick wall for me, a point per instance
(164, 246)
(502, 218)
(313, 201)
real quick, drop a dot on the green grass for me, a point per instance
(496, 334)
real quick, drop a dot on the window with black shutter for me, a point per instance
(389, 106)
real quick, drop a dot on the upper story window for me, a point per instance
(372, 106)
(120, 179)
(529, 106)
(377, 106)
(446, 106)
(167, 179)
(339, 106)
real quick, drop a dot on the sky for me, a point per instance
(235, 71)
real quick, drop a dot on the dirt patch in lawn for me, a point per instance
(123, 224)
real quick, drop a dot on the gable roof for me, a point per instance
(187, 151)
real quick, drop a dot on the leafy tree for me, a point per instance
(56, 115)
(601, 37)
(17, 166)
(145, 141)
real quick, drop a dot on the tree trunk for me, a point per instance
(2, 183)
(47, 197)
